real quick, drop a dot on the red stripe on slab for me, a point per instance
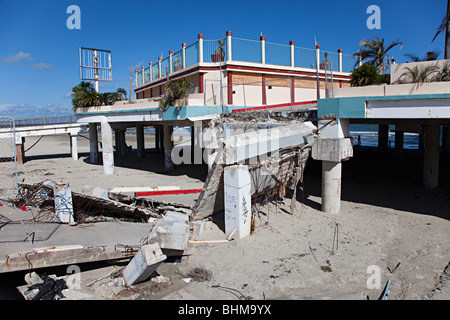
(166, 192)
(274, 106)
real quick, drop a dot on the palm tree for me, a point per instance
(121, 94)
(429, 56)
(445, 26)
(373, 51)
(420, 74)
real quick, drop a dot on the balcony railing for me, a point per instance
(244, 50)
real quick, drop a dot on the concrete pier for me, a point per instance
(107, 148)
(74, 146)
(331, 186)
(431, 156)
(93, 143)
(168, 146)
(237, 188)
(399, 139)
(140, 141)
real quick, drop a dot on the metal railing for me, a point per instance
(246, 51)
(278, 54)
(214, 50)
(191, 52)
(45, 121)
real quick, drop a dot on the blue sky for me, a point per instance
(39, 61)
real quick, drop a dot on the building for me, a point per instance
(226, 75)
(240, 72)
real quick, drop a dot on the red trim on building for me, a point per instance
(230, 87)
(291, 43)
(267, 70)
(229, 33)
(274, 106)
(166, 192)
(263, 84)
(201, 82)
(230, 67)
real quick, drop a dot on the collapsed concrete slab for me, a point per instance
(62, 255)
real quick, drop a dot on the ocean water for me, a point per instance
(369, 136)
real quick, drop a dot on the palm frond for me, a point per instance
(442, 26)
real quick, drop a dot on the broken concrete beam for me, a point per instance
(62, 255)
(144, 263)
(172, 231)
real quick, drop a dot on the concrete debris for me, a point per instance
(44, 287)
(171, 232)
(41, 196)
(273, 156)
(144, 263)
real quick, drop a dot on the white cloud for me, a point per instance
(23, 59)
(41, 66)
(137, 66)
(18, 58)
(28, 111)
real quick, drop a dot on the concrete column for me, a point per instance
(383, 136)
(431, 156)
(143, 78)
(196, 150)
(170, 61)
(331, 186)
(20, 150)
(161, 140)
(229, 57)
(399, 135)
(318, 57)
(200, 48)
(74, 146)
(340, 60)
(183, 46)
(263, 49)
(119, 135)
(445, 139)
(135, 78)
(107, 148)
(157, 140)
(291, 44)
(159, 67)
(140, 141)
(93, 143)
(237, 198)
(151, 73)
(168, 147)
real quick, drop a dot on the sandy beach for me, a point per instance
(387, 220)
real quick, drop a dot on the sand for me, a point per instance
(386, 218)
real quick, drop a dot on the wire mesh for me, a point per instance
(8, 159)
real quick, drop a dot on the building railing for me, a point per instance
(244, 50)
(46, 121)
